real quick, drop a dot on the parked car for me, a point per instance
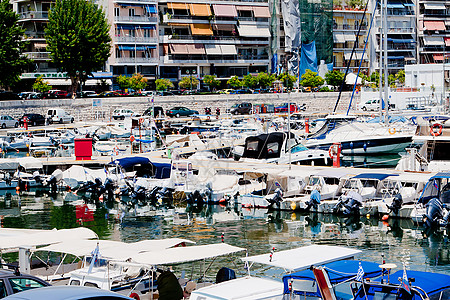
(226, 91)
(120, 114)
(58, 115)
(109, 94)
(5, 95)
(373, 105)
(33, 119)
(8, 121)
(181, 111)
(159, 111)
(242, 91)
(243, 108)
(166, 93)
(13, 282)
(58, 94)
(88, 94)
(284, 108)
(67, 292)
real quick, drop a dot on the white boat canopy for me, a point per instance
(47, 237)
(113, 250)
(184, 254)
(303, 257)
(30, 162)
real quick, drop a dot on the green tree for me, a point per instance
(250, 81)
(123, 81)
(334, 78)
(400, 76)
(12, 61)
(211, 81)
(311, 79)
(188, 82)
(287, 79)
(78, 38)
(138, 82)
(265, 80)
(41, 86)
(234, 82)
(391, 80)
(163, 84)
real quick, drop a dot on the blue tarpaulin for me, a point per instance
(338, 271)
(378, 176)
(151, 9)
(308, 58)
(128, 162)
(274, 63)
(162, 170)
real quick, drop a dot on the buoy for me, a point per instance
(385, 217)
(368, 216)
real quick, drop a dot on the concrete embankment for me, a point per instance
(88, 109)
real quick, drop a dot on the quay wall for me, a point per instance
(84, 110)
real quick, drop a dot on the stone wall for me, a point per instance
(83, 110)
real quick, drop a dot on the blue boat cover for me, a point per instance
(128, 162)
(162, 170)
(441, 175)
(392, 119)
(338, 271)
(431, 283)
(379, 176)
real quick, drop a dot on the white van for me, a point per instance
(58, 115)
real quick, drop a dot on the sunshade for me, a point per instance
(303, 257)
(184, 254)
(378, 176)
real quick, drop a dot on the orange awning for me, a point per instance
(438, 57)
(201, 29)
(171, 5)
(202, 10)
(178, 49)
(261, 12)
(195, 48)
(434, 25)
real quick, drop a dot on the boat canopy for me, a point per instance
(338, 272)
(335, 173)
(129, 162)
(377, 176)
(47, 237)
(158, 170)
(113, 250)
(82, 174)
(303, 257)
(30, 162)
(184, 254)
(9, 164)
(265, 146)
(441, 175)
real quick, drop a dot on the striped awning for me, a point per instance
(201, 10)
(224, 10)
(434, 25)
(253, 31)
(261, 12)
(201, 29)
(433, 41)
(195, 48)
(171, 5)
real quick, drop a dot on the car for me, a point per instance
(243, 108)
(284, 108)
(159, 111)
(8, 121)
(58, 94)
(33, 119)
(242, 91)
(181, 111)
(5, 95)
(12, 281)
(88, 94)
(58, 115)
(109, 94)
(67, 292)
(147, 93)
(372, 105)
(226, 91)
(120, 114)
(165, 93)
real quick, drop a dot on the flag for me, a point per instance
(435, 183)
(360, 274)
(95, 257)
(405, 282)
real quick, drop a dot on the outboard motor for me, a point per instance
(276, 199)
(434, 213)
(53, 180)
(225, 274)
(396, 204)
(207, 110)
(37, 177)
(349, 204)
(195, 198)
(314, 201)
(139, 195)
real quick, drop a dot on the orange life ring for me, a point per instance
(332, 151)
(132, 138)
(208, 118)
(134, 296)
(392, 130)
(141, 120)
(433, 132)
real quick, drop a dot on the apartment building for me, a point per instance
(401, 35)
(346, 22)
(223, 38)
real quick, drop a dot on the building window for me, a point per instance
(116, 11)
(131, 12)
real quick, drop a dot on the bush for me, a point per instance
(325, 89)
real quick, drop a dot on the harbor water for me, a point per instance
(258, 231)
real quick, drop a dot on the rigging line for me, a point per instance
(360, 62)
(351, 56)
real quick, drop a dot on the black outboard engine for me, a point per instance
(195, 198)
(396, 204)
(276, 199)
(139, 195)
(434, 213)
(348, 204)
(225, 274)
(207, 110)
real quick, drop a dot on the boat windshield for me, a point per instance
(298, 148)
(314, 181)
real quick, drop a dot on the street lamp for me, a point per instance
(81, 76)
(190, 73)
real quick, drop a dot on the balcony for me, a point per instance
(138, 39)
(348, 27)
(38, 55)
(409, 30)
(143, 2)
(33, 15)
(260, 59)
(213, 39)
(137, 60)
(142, 19)
(35, 34)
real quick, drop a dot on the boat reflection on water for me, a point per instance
(257, 230)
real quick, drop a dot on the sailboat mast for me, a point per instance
(380, 79)
(386, 73)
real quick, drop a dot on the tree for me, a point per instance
(334, 78)
(211, 81)
(288, 79)
(163, 84)
(234, 82)
(12, 62)
(265, 80)
(188, 82)
(138, 82)
(123, 82)
(391, 80)
(250, 81)
(311, 79)
(41, 86)
(78, 38)
(400, 76)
